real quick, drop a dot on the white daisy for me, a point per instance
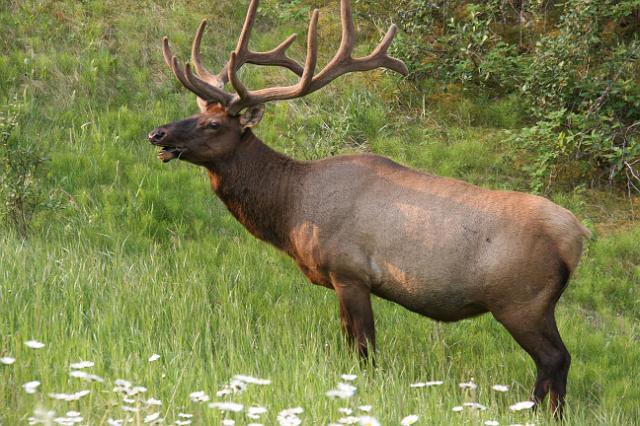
(409, 420)
(343, 391)
(348, 377)
(199, 396)
(345, 410)
(7, 360)
(369, 421)
(153, 418)
(255, 412)
(500, 388)
(227, 406)
(457, 408)
(82, 364)
(31, 387)
(525, 405)
(228, 422)
(69, 396)
(349, 420)
(153, 401)
(492, 423)
(114, 422)
(468, 385)
(86, 376)
(475, 405)
(182, 422)
(154, 357)
(365, 408)
(251, 380)
(34, 344)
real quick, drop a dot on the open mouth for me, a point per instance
(168, 153)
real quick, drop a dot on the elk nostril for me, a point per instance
(157, 135)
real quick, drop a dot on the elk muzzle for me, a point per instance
(167, 153)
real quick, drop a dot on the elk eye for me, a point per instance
(213, 125)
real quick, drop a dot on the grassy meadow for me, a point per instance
(128, 257)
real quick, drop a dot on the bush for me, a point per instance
(20, 194)
(575, 65)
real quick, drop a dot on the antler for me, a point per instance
(209, 87)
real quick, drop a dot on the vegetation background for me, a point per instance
(108, 255)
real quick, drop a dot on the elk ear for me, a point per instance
(251, 116)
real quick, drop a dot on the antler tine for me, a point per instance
(347, 39)
(275, 57)
(247, 98)
(202, 89)
(197, 62)
(212, 93)
(343, 62)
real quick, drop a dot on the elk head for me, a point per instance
(224, 117)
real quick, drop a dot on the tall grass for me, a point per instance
(140, 258)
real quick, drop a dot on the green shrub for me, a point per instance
(20, 193)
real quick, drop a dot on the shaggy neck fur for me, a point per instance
(258, 186)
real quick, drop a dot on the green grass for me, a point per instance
(141, 258)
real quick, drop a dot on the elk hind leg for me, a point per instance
(538, 335)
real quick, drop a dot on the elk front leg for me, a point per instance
(356, 315)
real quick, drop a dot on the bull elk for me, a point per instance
(363, 224)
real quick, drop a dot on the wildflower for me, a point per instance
(365, 408)
(41, 416)
(72, 414)
(199, 396)
(227, 406)
(154, 357)
(34, 344)
(426, 384)
(69, 396)
(183, 422)
(185, 415)
(228, 422)
(343, 391)
(251, 380)
(82, 364)
(153, 401)
(130, 409)
(469, 385)
(234, 386)
(492, 423)
(350, 420)
(255, 412)
(500, 388)
(457, 408)
(369, 421)
(7, 360)
(86, 376)
(409, 420)
(475, 405)
(31, 387)
(153, 418)
(289, 417)
(349, 377)
(67, 421)
(113, 422)
(521, 406)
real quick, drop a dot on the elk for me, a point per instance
(363, 224)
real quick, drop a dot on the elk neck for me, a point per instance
(259, 187)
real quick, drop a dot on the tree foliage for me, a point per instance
(574, 65)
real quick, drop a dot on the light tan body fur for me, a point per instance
(437, 246)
